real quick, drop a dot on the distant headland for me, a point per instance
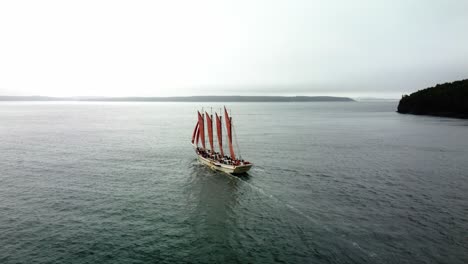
(219, 99)
(448, 99)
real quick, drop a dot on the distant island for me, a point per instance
(448, 99)
(219, 99)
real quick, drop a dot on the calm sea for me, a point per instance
(332, 183)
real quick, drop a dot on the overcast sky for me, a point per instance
(163, 48)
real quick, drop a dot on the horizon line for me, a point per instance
(83, 97)
(192, 98)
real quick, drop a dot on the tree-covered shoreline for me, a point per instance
(448, 99)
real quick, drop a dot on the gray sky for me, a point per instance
(163, 48)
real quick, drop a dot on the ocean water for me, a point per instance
(332, 183)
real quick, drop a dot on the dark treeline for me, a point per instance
(448, 99)
(185, 99)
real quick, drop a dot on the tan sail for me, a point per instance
(201, 125)
(219, 130)
(209, 123)
(229, 132)
(195, 133)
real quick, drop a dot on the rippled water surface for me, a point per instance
(332, 183)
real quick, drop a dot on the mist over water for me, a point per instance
(348, 182)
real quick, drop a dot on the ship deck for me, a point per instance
(227, 168)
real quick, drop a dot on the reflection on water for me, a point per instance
(213, 199)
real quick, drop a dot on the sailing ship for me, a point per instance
(217, 160)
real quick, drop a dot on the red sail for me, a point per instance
(209, 123)
(201, 124)
(194, 133)
(197, 136)
(229, 132)
(220, 134)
